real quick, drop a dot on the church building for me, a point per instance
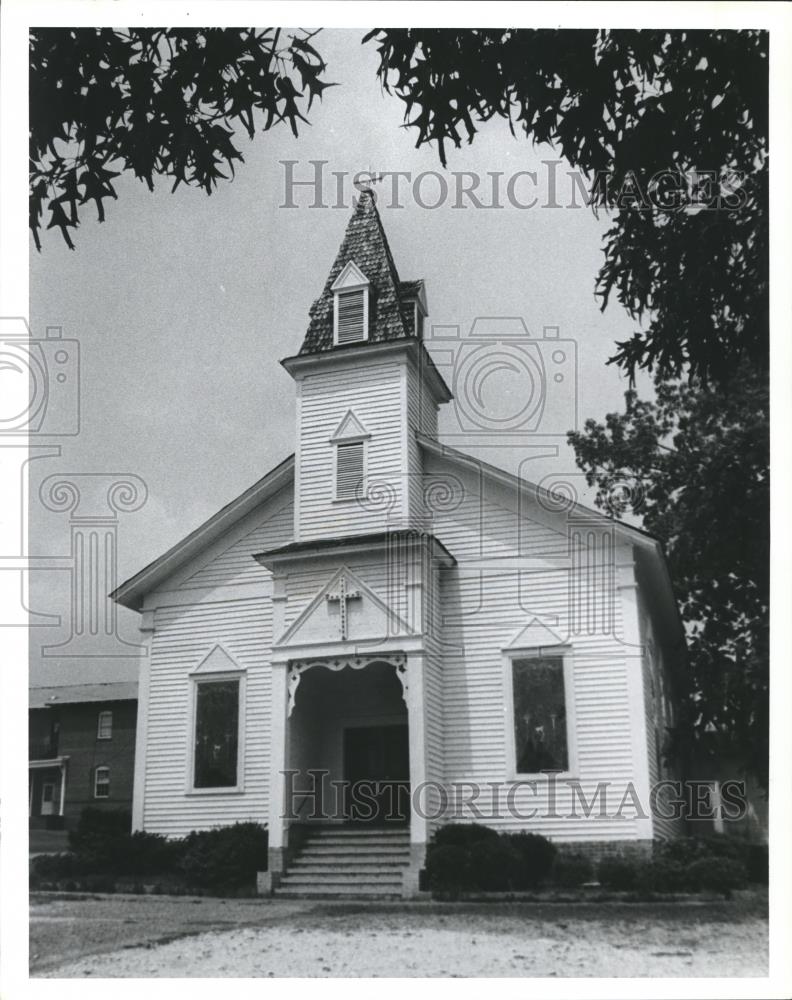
(385, 634)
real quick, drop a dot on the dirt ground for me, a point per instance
(151, 936)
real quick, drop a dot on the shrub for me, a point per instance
(470, 857)
(755, 861)
(536, 854)
(493, 865)
(572, 870)
(447, 868)
(715, 875)
(225, 858)
(150, 854)
(620, 874)
(100, 839)
(463, 834)
(660, 875)
(50, 867)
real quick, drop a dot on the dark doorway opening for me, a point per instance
(377, 775)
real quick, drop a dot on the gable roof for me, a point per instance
(365, 245)
(73, 694)
(132, 591)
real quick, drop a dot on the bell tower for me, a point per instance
(365, 385)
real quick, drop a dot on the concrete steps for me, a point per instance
(349, 862)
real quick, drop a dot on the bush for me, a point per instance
(447, 868)
(494, 865)
(467, 857)
(100, 839)
(463, 835)
(755, 861)
(536, 858)
(619, 874)
(225, 858)
(661, 875)
(572, 870)
(712, 874)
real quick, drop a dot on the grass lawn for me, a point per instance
(187, 936)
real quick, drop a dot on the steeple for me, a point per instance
(363, 298)
(365, 387)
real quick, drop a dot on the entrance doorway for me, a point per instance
(377, 774)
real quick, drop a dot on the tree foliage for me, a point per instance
(661, 123)
(161, 102)
(700, 459)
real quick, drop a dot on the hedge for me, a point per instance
(105, 852)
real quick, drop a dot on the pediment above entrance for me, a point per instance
(345, 609)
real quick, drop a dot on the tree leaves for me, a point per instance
(156, 102)
(701, 457)
(631, 105)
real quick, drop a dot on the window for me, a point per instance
(105, 729)
(540, 714)
(216, 734)
(102, 783)
(351, 316)
(350, 469)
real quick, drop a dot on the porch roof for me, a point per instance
(349, 543)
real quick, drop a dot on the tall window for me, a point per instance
(351, 317)
(540, 716)
(105, 728)
(350, 469)
(216, 734)
(102, 783)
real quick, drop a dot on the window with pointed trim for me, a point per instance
(216, 747)
(540, 714)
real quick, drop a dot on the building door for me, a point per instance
(377, 774)
(48, 798)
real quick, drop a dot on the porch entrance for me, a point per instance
(348, 745)
(377, 774)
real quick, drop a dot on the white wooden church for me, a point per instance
(384, 634)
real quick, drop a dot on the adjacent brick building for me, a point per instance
(81, 751)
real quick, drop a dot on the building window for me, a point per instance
(351, 316)
(102, 783)
(105, 728)
(540, 714)
(350, 470)
(216, 734)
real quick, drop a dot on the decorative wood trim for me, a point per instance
(298, 667)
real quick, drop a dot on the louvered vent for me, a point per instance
(351, 317)
(349, 469)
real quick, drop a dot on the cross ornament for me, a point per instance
(342, 596)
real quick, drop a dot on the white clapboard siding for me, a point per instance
(421, 417)
(373, 393)
(204, 610)
(656, 681)
(183, 636)
(484, 607)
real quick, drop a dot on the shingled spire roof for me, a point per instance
(390, 305)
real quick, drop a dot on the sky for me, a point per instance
(184, 304)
